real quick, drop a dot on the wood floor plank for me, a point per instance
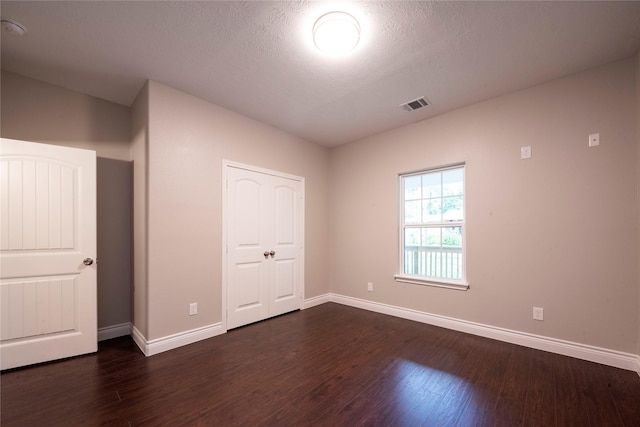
(624, 389)
(570, 404)
(540, 406)
(510, 406)
(330, 365)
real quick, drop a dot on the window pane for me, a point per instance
(431, 185)
(431, 237)
(452, 209)
(412, 188)
(452, 237)
(411, 237)
(439, 255)
(432, 210)
(452, 182)
(412, 212)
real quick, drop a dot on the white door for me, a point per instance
(264, 245)
(48, 236)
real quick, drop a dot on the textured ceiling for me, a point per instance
(257, 58)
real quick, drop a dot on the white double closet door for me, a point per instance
(264, 244)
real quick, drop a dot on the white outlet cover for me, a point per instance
(594, 139)
(538, 313)
(525, 152)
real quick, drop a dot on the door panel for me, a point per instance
(39, 198)
(48, 223)
(38, 306)
(262, 217)
(248, 195)
(287, 246)
(284, 279)
(285, 223)
(248, 295)
(247, 292)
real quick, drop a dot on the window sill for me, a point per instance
(459, 286)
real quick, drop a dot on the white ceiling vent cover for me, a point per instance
(415, 104)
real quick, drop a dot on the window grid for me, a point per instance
(432, 224)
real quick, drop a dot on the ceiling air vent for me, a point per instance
(415, 104)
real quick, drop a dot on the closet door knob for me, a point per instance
(87, 261)
(266, 254)
(272, 253)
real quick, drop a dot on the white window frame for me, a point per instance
(460, 284)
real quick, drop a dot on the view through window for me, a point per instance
(432, 222)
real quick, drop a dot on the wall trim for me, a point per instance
(139, 339)
(114, 331)
(159, 345)
(317, 300)
(604, 356)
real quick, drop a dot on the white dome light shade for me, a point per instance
(12, 27)
(336, 33)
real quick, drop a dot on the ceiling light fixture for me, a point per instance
(336, 33)
(12, 27)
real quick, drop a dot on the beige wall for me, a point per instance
(36, 111)
(187, 141)
(139, 153)
(114, 182)
(552, 231)
(555, 231)
(40, 112)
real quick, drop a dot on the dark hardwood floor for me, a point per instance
(330, 365)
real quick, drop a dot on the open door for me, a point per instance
(48, 305)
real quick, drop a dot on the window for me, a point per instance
(432, 227)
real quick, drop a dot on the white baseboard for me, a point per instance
(604, 356)
(139, 339)
(114, 331)
(313, 301)
(159, 345)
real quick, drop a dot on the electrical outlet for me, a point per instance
(538, 313)
(594, 139)
(370, 287)
(193, 308)
(525, 152)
